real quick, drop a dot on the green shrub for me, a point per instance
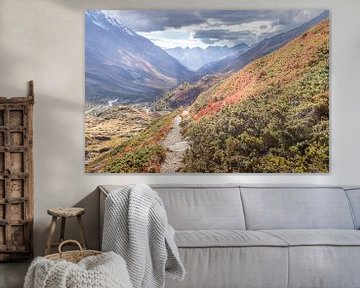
(285, 129)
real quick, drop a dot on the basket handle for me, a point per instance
(69, 241)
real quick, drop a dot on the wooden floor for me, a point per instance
(12, 274)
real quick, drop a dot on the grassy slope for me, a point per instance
(272, 116)
(142, 153)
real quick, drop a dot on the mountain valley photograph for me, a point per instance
(207, 91)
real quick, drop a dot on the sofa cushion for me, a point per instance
(322, 258)
(199, 207)
(296, 208)
(226, 238)
(324, 266)
(224, 267)
(204, 208)
(305, 237)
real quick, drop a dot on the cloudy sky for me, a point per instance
(170, 28)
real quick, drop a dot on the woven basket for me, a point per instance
(72, 256)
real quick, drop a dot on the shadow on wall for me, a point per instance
(91, 217)
(54, 164)
(72, 231)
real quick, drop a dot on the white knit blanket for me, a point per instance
(136, 227)
(103, 271)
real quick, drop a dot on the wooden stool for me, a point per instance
(64, 213)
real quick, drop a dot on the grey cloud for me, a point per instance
(152, 20)
(231, 37)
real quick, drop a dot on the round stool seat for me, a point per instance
(66, 211)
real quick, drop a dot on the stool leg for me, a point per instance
(82, 232)
(51, 235)
(62, 230)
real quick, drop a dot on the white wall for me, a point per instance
(43, 40)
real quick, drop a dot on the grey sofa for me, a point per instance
(242, 236)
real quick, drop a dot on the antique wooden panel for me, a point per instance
(16, 177)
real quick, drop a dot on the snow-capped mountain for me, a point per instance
(106, 22)
(195, 58)
(122, 64)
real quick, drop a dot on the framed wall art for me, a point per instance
(208, 91)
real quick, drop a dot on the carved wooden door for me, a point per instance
(16, 177)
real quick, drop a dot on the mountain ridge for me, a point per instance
(196, 57)
(125, 67)
(121, 64)
(236, 62)
(250, 80)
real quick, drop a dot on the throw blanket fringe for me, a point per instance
(136, 227)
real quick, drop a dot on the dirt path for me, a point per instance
(175, 146)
